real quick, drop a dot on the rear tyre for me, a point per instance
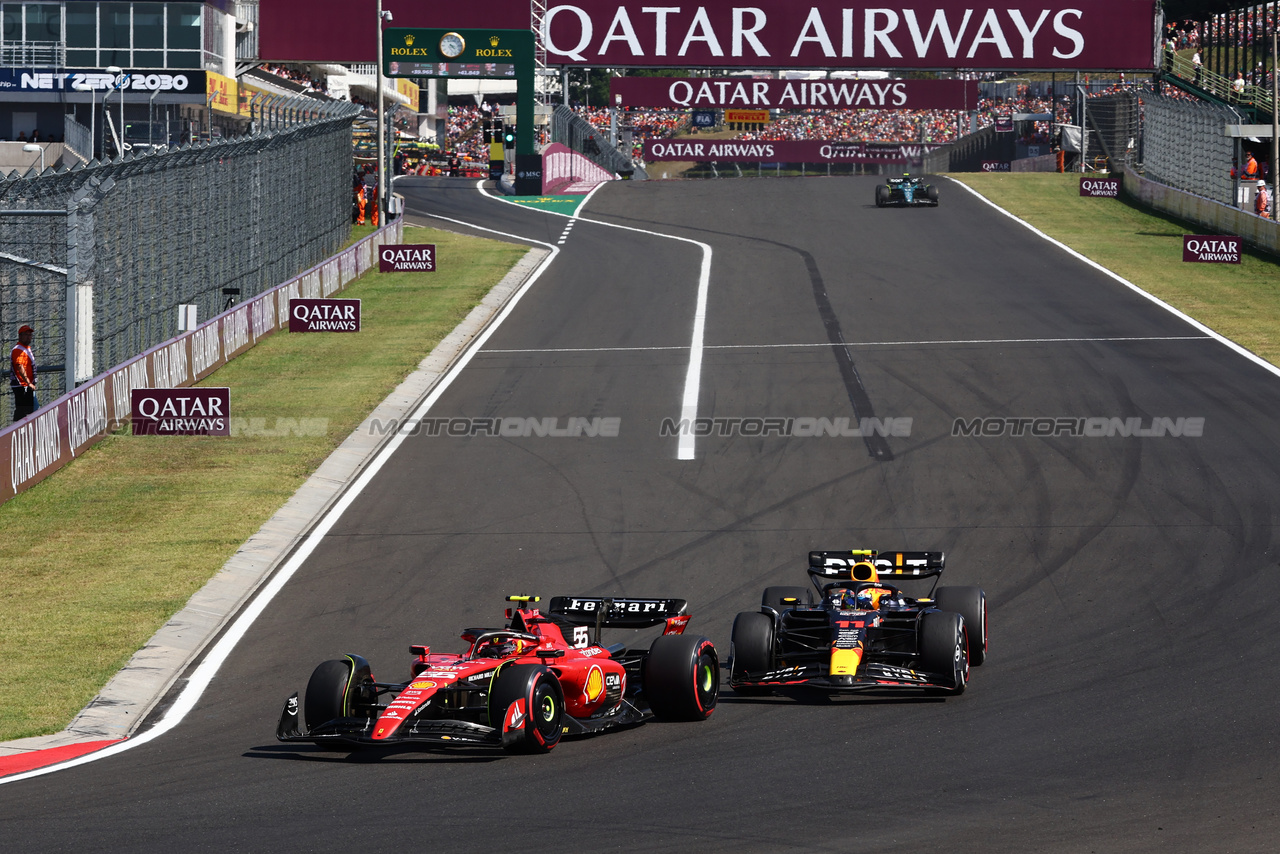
(944, 648)
(682, 678)
(970, 603)
(543, 704)
(328, 693)
(752, 647)
(773, 597)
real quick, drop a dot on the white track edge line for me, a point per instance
(693, 375)
(1222, 339)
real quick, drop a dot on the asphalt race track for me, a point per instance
(1129, 700)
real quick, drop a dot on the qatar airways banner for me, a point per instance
(735, 92)
(1055, 34)
(784, 151)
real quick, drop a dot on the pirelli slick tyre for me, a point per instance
(681, 677)
(944, 649)
(335, 690)
(751, 644)
(970, 603)
(534, 725)
(882, 195)
(773, 596)
(931, 193)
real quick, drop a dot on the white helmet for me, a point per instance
(1262, 183)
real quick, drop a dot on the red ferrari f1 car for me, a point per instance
(520, 687)
(862, 633)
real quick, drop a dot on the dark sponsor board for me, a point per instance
(324, 315)
(700, 118)
(1103, 188)
(528, 175)
(768, 151)
(996, 166)
(748, 94)
(1211, 248)
(407, 258)
(181, 411)
(25, 80)
(1004, 124)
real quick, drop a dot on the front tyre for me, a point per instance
(931, 193)
(752, 644)
(773, 596)
(944, 649)
(525, 705)
(970, 603)
(682, 677)
(335, 690)
(882, 195)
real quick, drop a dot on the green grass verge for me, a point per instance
(103, 553)
(1239, 301)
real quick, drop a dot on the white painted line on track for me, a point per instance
(1253, 357)
(861, 344)
(693, 375)
(213, 660)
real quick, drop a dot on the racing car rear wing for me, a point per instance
(616, 613)
(838, 565)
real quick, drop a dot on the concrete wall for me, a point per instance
(12, 157)
(1043, 163)
(1259, 233)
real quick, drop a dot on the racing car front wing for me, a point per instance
(359, 731)
(873, 676)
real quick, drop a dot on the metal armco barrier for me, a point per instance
(38, 446)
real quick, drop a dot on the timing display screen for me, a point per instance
(453, 69)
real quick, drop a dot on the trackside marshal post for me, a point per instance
(407, 258)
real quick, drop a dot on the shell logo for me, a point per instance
(422, 685)
(594, 686)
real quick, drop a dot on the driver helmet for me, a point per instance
(502, 648)
(865, 599)
(843, 599)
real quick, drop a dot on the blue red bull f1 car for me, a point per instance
(860, 632)
(520, 687)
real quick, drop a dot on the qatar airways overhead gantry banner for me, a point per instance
(1056, 34)
(730, 92)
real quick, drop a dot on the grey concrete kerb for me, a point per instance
(135, 691)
